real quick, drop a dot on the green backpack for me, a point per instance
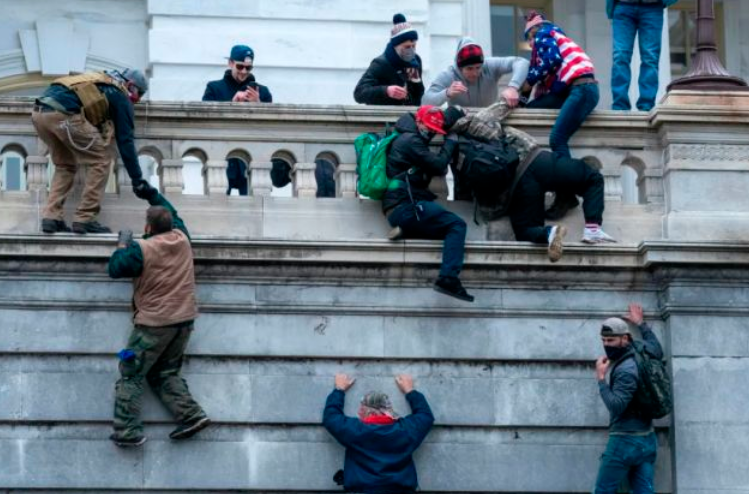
(371, 164)
(654, 389)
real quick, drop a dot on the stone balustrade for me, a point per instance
(655, 164)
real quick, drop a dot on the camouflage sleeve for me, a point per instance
(487, 123)
(521, 141)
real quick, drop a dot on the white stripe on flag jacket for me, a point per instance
(556, 60)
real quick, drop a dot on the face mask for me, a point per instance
(615, 352)
(407, 54)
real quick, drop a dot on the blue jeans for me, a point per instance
(631, 457)
(434, 223)
(647, 23)
(574, 107)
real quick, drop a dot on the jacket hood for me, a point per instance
(407, 123)
(462, 42)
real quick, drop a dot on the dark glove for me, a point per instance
(143, 190)
(125, 237)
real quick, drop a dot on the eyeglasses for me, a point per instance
(242, 67)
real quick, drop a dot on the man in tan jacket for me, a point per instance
(161, 265)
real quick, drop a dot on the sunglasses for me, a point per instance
(242, 67)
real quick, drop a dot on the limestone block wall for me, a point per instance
(510, 378)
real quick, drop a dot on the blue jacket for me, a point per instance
(610, 6)
(378, 457)
(225, 89)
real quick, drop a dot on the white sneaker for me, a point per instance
(596, 236)
(395, 233)
(556, 237)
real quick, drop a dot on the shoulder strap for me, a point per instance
(95, 106)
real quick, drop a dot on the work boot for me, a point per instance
(54, 226)
(453, 287)
(90, 227)
(189, 429)
(127, 442)
(556, 237)
(562, 203)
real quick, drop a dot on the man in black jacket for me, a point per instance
(631, 450)
(408, 202)
(379, 445)
(238, 85)
(394, 78)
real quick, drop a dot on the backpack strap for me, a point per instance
(94, 104)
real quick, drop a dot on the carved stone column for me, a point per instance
(172, 181)
(612, 184)
(305, 184)
(260, 182)
(216, 180)
(345, 180)
(37, 174)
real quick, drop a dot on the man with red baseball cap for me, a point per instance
(409, 204)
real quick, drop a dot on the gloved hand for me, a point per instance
(143, 190)
(124, 238)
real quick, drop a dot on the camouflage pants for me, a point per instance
(158, 360)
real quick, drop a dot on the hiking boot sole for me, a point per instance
(192, 430)
(129, 444)
(464, 298)
(556, 247)
(81, 229)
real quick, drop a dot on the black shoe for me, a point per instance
(189, 429)
(124, 442)
(452, 287)
(562, 204)
(90, 227)
(54, 226)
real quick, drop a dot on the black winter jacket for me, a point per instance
(225, 89)
(372, 87)
(378, 457)
(413, 164)
(120, 113)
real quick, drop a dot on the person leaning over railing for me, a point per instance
(564, 78)
(472, 80)
(77, 117)
(394, 78)
(161, 265)
(523, 186)
(379, 444)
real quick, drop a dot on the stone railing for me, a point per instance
(654, 164)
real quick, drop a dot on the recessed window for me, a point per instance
(508, 25)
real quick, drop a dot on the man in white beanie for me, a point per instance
(394, 78)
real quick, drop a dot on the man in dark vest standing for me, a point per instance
(77, 117)
(161, 264)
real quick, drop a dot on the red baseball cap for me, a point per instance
(432, 117)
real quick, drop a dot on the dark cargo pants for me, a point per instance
(158, 360)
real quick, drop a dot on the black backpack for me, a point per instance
(488, 168)
(653, 394)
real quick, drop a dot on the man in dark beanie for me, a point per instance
(473, 80)
(238, 85)
(379, 444)
(394, 78)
